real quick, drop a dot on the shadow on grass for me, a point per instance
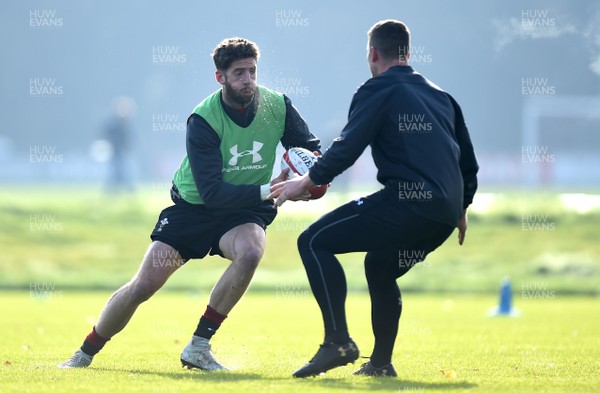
(386, 384)
(349, 383)
(184, 374)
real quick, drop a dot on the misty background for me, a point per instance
(526, 73)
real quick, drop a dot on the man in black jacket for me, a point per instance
(425, 160)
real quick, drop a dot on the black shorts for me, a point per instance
(195, 230)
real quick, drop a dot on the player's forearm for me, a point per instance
(296, 132)
(363, 124)
(343, 152)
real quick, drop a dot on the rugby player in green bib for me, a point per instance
(220, 201)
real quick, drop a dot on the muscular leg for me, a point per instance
(244, 245)
(160, 261)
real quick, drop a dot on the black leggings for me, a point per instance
(394, 238)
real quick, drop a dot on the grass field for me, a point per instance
(65, 250)
(80, 238)
(553, 347)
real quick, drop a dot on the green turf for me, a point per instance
(80, 238)
(552, 347)
(58, 244)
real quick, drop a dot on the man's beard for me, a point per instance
(236, 97)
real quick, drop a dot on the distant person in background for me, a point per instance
(424, 159)
(220, 201)
(119, 136)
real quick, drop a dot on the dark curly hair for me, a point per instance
(231, 49)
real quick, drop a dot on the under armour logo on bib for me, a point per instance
(256, 157)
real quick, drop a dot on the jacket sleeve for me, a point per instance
(206, 162)
(296, 132)
(468, 163)
(364, 121)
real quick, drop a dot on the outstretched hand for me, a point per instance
(283, 175)
(295, 189)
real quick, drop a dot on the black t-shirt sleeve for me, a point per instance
(468, 163)
(296, 132)
(364, 122)
(206, 162)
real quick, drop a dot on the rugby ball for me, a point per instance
(299, 161)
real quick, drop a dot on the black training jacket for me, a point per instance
(419, 140)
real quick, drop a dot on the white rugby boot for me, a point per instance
(197, 354)
(79, 359)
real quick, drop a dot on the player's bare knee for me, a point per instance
(249, 258)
